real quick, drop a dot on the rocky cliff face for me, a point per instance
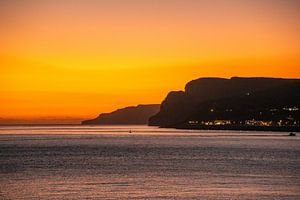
(179, 106)
(129, 115)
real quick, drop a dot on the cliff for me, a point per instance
(129, 115)
(204, 95)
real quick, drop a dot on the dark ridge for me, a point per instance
(129, 115)
(180, 107)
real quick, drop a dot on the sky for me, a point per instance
(66, 60)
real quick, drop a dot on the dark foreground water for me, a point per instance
(86, 162)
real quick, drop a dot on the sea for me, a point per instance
(141, 162)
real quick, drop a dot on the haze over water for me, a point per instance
(96, 162)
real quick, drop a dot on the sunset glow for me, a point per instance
(76, 59)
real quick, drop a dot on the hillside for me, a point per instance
(204, 98)
(129, 115)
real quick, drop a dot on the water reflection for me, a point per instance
(151, 163)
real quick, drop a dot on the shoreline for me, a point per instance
(240, 128)
(183, 127)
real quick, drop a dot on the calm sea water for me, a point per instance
(102, 162)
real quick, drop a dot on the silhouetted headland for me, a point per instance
(234, 104)
(126, 116)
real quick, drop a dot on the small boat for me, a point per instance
(292, 134)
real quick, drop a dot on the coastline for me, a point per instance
(184, 127)
(240, 128)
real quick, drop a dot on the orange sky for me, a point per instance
(76, 59)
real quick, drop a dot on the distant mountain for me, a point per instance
(130, 115)
(228, 99)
